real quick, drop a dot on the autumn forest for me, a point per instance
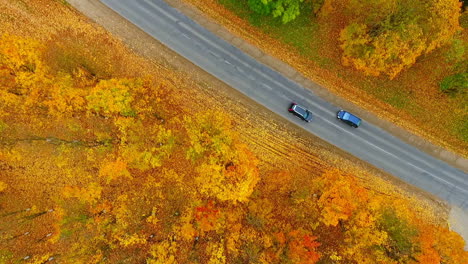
(103, 160)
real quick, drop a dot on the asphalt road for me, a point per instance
(276, 92)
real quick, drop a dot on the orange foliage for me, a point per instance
(207, 217)
(450, 246)
(428, 253)
(339, 197)
(114, 169)
(303, 248)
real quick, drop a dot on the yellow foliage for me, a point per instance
(144, 151)
(131, 240)
(63, 98)
(233, 238)
(262, 209)
(111, 170)
(234, 183)
(163, 253)
(386, 53)
(10, 156)
(40, 259)
(359, 242)
(216, 253)
(121, 211)
(90, 194)
(388, 36)
(112, 96)
(21, 54)
(209, 132)
(152, 218)
(187, 231)
(335, 257)
(227, 170)
(3, 186)
(444, 21)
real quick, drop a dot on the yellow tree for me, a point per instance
(114, 96)
(226, 168)
(342, 199)
(25, 73)
(387, 38)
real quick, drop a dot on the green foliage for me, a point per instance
(288, 10)
(400, 233)
(300, 34)
(66, 233)
(260, 6)
(457, 51)
(457, 54)
(455, 84)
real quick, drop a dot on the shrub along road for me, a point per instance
(276, 92)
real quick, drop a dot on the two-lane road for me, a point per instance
(275, 92)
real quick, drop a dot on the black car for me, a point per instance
(348, 118)
(301, 112)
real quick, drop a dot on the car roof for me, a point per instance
(301, 110)
(350, 117)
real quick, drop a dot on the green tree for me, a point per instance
(454, 84)
(288, 10)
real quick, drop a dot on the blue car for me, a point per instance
(348, 118)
